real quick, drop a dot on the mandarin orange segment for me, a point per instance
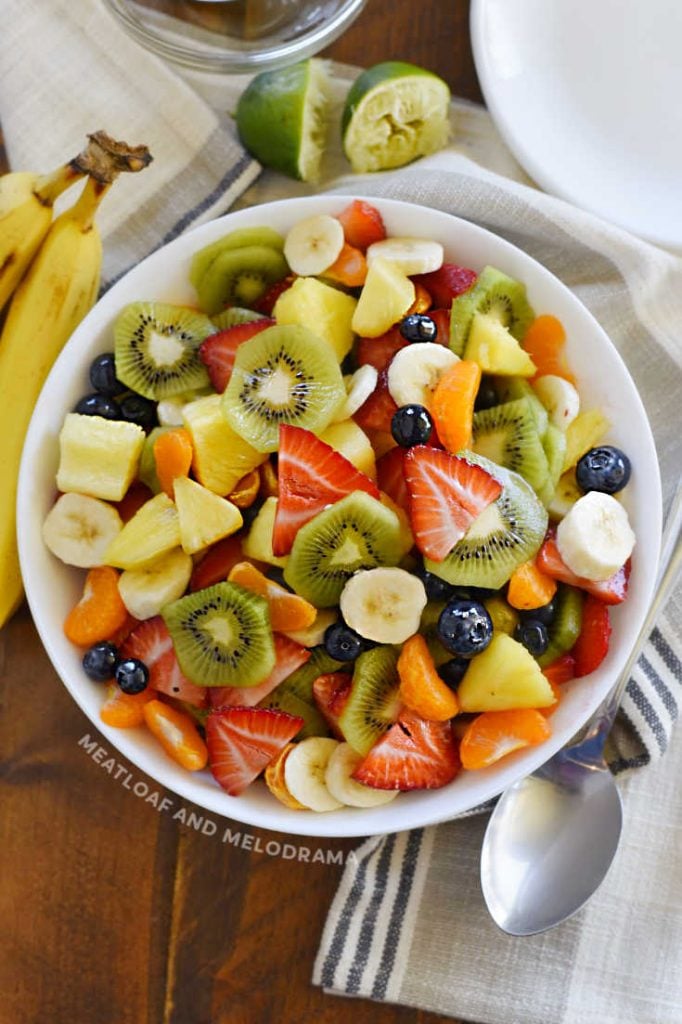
(421, 688)
(173, 457)
(558, 693)
(495, 734)
(349, 268)
(124, 710)
(274, 780)
(530, 588)
(422, 300)
(544, 341)
(246, 491)
(287, 611)
(452, 405)
(100, 611)
(177, 734)
(269, 484)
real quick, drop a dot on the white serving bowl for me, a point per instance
(52, 587)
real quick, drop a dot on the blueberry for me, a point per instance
(436, 588)
(452, 672)
(418, 327)
(342, 643)
(486, 397)
(132, 675)
(98, 405)
(276, 574)
(544, 615)
(465, 627)
(136, 409)
(250, 513)
(411, 424)
(103, 375)
(533, 635)
(100, 661)
(606, 469)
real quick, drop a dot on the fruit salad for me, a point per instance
(346, 529)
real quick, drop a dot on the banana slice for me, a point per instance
(144, 592)
(78, 529)
(274, 779)
(359, 386)
(411, 255)
(313, 244)
(415, 371)
(340, 767)
(382, 604)
(169, 412)
(560, 399)
(304, 771)
(595, 538)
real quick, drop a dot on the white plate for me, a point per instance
(586, 93)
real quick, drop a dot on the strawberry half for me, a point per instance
(151, 643)
(611, 591)
(391, 477)
(362, 224)
(441, 318)
(288, 657)
(330, 693)
(378, 352)
(377, 412)
(447, 283)
(218, 351)
(311, 475)
(560, 671)
(242, 741)
(592, 645)
(268, 300)
(412, 754)
(216, 563)
(446, 494)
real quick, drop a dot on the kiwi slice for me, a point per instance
(239, 239)
(511, 388)
(222, 636)
(355, 533)
(507, 435)
(235, 315)
(285, 374)
(565, 627)
(300, 682)
(156, 348)
(506, 534)
(238, 277)
(499, 296)
(283, 700)
(373, 703)
(554, 447)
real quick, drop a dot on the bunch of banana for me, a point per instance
(55, 293)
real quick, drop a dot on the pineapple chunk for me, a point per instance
(205, 517)
(221, 456)
(153, 530)
(583, 433)
(386, 296)
(496, 350)
(324, 310)
(565, 496)
(406, 537)
(503, 677)
(258, 543)
(145, 592)
(351, 440)
(98, 457)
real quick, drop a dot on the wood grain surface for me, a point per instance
(113, 911)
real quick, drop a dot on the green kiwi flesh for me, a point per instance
(300, 682)
(283, 700)
(373, 703)
(239, 239)
(285, 374)
(554, 447)
(235, 315)
(156, 348)
(511, 388)
(222, 636)
(565, 627)
(238, 277)
(507, 435)
(506, 534)
(355, 533)
(493, 293)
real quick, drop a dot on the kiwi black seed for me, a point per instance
(222, 636)
(156, 348)
(285, 374)
(355, 533)
(238, 277)
(499, 296)
(239, 239)
(506, 534)
(373, 703)
(507, 435)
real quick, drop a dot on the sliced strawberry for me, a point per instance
(592, 645)
(330, 693)
(362, 224)
(377, 412)
(242, 741)
(378, 352)
(611, 591)
(311, 476)
(151, 643)
(216, 563)
(267, 301)
(446, 283)
(391, 477)
(288, 657)
(561, 670)
(441, 318)
(218, 351)
(446, 494)
(132, 501)
(412, 754)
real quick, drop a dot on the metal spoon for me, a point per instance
(553, 835)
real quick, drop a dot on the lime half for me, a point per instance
(394, 113)
(281, 118)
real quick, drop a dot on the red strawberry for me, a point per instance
(377, 412)
(218, 351)
(133, 500)
(362, 224)
(288, 657)
(413, 754)
(311, 476)
(267, 302)
(330, 693)
(592, 645)
(216, 563)
(561, 670)
(391, 477)
(152, 644)
(447, 283)
(611, 591)
(379, 352)
(441, 318)
(446, 494)
(242, 741)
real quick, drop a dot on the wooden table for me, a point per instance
(112, 912)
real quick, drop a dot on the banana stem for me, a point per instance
(84, 209)
(49, 186)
